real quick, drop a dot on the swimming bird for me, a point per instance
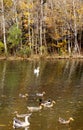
(48, 103)
(21, 115)
(63, 121)
(17, 123)
(34, 109)
(23, 96)
(36, 71)
(40, 94)
(44, 102)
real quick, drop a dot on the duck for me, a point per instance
(44, 102)
(21, 115)
(17, 123)
(63, 121)
(48, 103)
(36, 71)
(40, 94)
(34, 109)
(23, 96)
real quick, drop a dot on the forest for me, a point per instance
(42, 27)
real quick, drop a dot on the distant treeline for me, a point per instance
(41, 27)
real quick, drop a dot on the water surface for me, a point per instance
(62, 80)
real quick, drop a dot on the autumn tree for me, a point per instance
(46, 26)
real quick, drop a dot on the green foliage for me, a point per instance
(28, 51)
(43, 49)
(25, 52)
(14, 36)
(1, 47)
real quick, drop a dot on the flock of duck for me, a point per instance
(47, 104)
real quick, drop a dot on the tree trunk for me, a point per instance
(29, 32)
(41, 30)
(76, 47)
(3, 26)
(68, 27)
(15, 11)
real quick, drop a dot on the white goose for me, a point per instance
(40, 94)
(17, 123)
(62, 121)
(34, 109)
(36, 71)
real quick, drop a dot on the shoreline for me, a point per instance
(37, 57)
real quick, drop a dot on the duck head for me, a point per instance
(71, 119)
(53, 102)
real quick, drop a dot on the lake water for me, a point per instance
(62, 80)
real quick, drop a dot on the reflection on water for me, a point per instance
(62, 80)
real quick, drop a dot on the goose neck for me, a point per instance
(26, 119)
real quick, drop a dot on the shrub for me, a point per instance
(43, 49)
(25, 52)
(14, 37)
(1, 47)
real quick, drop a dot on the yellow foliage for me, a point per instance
(25, 25)
(53, 45)
(26, 35)
(31, 21)
(49, 21)
(57, 36)
(25, 21)
(8, 3)
(30, 5)
(61, 44)
(26, 13)
(16, 15)
(80, 11)
(25, 6)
